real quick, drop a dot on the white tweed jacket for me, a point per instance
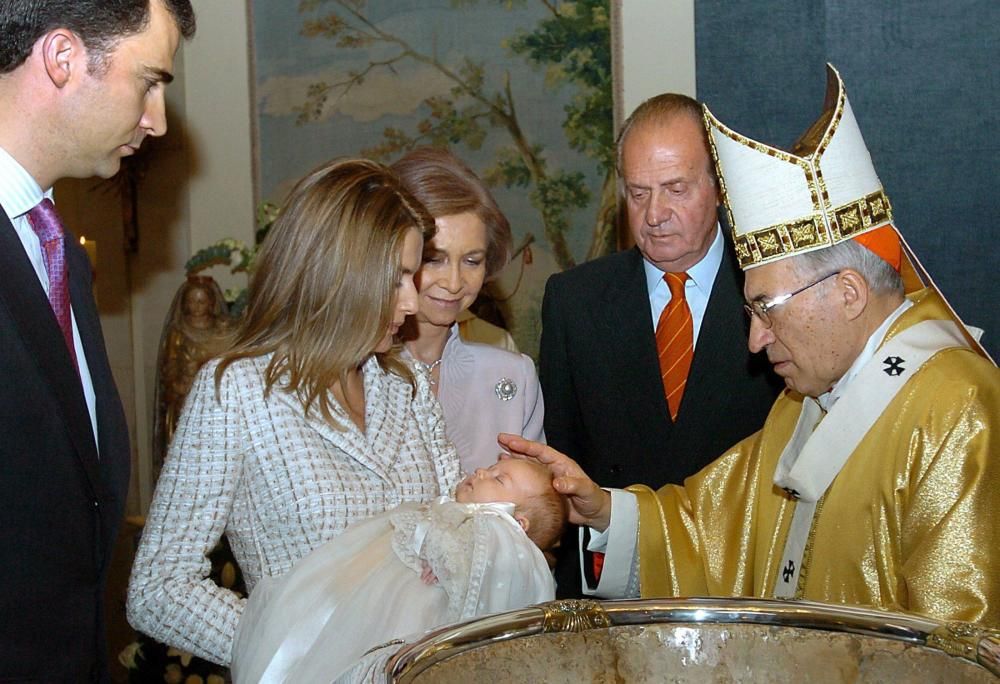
(278, 484)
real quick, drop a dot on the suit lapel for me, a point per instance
(387, 438)
(35, 324)
(723, 329)
(628, 329)
(114, 466)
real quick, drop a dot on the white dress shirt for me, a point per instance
(697, 288)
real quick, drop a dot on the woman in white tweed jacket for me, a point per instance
(310, 422)
(483, 390)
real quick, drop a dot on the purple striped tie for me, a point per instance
(45, 222)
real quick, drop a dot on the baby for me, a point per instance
(375, 583)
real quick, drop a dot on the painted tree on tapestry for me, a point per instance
(520, 90)
(573, 42)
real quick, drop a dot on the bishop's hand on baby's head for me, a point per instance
(540, 510)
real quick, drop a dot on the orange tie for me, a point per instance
(675, 342)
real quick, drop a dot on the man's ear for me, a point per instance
(62, 52)
(854, 293)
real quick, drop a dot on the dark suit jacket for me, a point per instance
(604, 402)
(60, 505)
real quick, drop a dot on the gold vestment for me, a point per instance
(908, 524)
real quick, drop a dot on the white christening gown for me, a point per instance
(363, 589)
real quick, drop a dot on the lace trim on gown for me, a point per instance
(454, 539)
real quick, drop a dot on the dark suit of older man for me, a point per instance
(605, 403)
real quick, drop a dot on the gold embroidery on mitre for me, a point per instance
(774, 242)
(879, 208)
(857, 217)
(743, 253)
(752, 248)
(828, 225)
(817, 185)
(838, 114)
(805, 234)
(849, 219)
(769, 243)
(831, 129)
(710, 121)
(742, 248)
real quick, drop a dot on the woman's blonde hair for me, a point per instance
(323, 288)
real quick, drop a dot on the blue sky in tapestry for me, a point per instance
(289, 65)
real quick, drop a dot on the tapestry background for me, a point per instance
(521, 91)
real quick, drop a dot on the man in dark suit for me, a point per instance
(81, 85)
(605, 395)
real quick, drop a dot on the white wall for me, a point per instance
(203, 191)
(657, 38)
(218, 119)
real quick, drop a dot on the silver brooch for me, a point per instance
(505, 389)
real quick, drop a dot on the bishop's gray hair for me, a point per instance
(880, 276)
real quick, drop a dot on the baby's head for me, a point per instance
(539, 508)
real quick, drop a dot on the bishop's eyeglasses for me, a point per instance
(760, 306)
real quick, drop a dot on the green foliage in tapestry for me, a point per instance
(572, 44)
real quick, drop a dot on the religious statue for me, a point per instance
(196, 329)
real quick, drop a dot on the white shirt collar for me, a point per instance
(701, 274)
(19, 191)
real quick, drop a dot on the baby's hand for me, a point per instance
(427, 575)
